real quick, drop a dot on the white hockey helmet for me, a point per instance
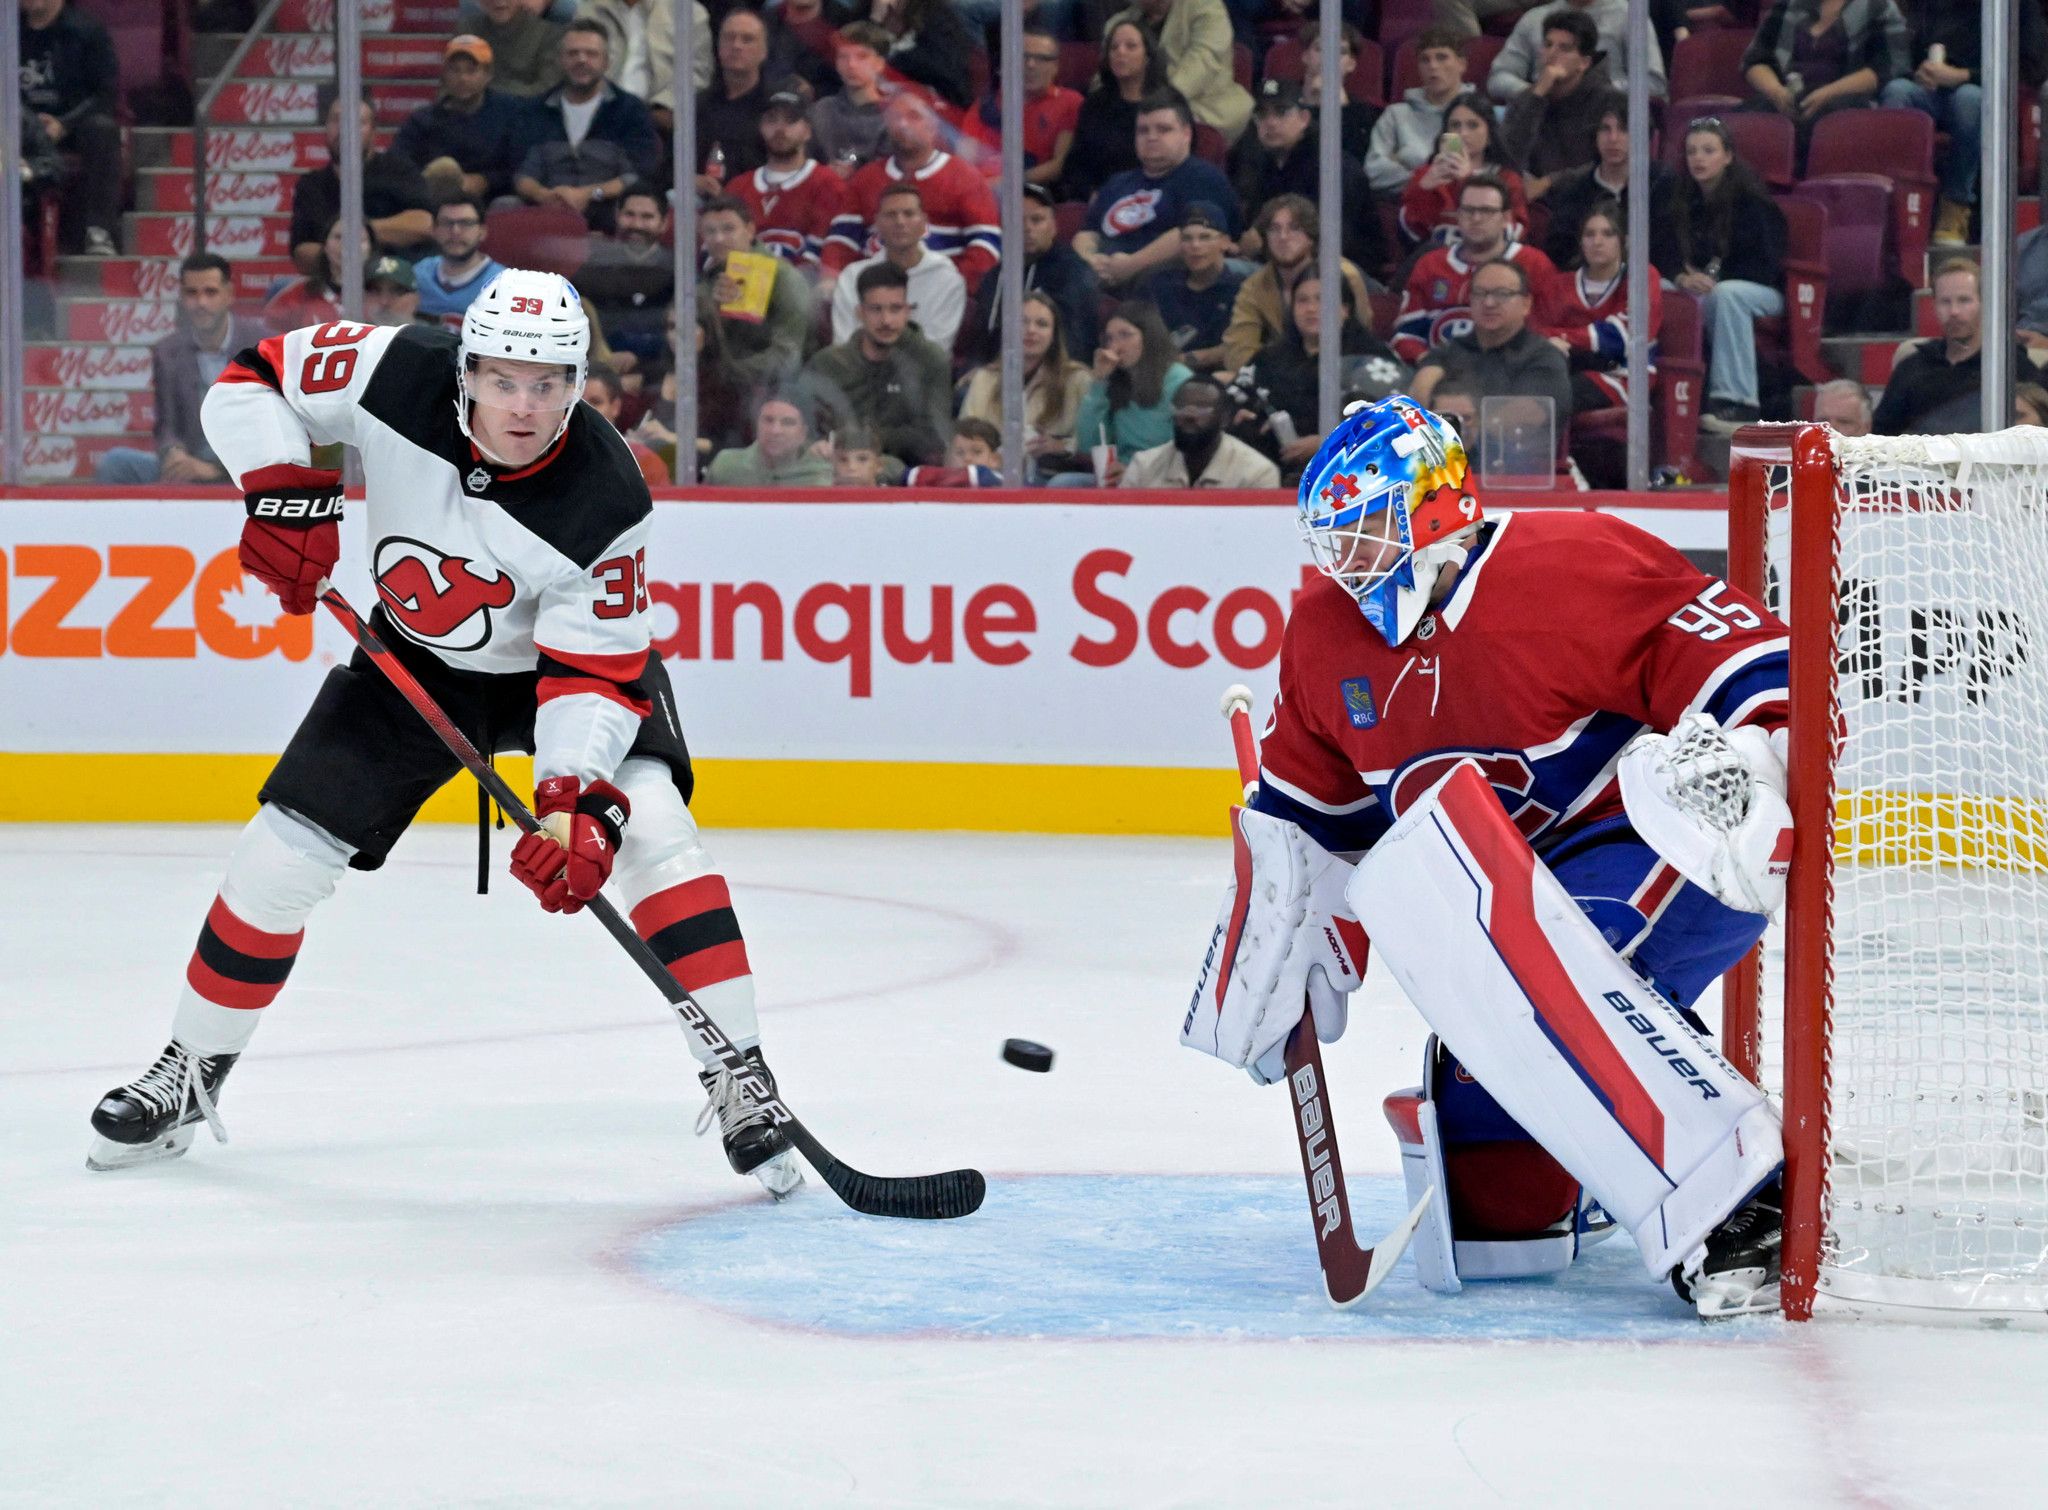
(524, 316)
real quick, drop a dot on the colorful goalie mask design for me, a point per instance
(1385, 505)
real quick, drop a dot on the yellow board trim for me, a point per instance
(877, 794)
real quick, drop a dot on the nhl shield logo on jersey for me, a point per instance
(477, 480)
(435, 599)
(1358, 704)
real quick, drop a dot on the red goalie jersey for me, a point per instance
(1567, 634)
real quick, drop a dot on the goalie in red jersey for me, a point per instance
(1540, 758)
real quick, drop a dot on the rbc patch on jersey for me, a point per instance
(1358, 703)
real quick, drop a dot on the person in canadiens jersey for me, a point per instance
(507, 528)
(1591, 675)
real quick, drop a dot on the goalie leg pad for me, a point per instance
(1599, 1068)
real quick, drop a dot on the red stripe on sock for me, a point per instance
(222, 992)
(246, 938)
(705, 894)
(713, 966)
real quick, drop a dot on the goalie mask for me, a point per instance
(524, 316)
(1385, 505)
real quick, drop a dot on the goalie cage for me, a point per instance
(1901, 1013)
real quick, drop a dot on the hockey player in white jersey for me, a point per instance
(507, 526)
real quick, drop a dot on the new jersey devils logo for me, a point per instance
(438, 600)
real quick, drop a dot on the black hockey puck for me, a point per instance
(1027, 1055)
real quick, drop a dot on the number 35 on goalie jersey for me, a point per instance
(1567, 635)
(493, 569)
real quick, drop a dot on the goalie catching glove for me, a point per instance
(292, 537)
(1712, 802)
(566, 861)
(1284, 936)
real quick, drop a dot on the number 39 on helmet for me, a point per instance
(1385, 505)
(524, 316)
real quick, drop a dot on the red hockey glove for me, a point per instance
(292, 537)
(566, 862)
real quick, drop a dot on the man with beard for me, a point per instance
(467, 141)
(1934, 387)
(463, 270)
(887, 376)
(793, 196)
(1052, 268)
(1200, 455)
(587, 140)
(957, 200)
(397, 208)
(630, 278)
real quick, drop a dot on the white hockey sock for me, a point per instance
(281, 869)
(680, 905)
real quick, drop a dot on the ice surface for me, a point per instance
(464, 1249)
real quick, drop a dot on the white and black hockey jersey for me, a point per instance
(493, 569)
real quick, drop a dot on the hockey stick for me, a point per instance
(1350, 1272)
(956, 1192)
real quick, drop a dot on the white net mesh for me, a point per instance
(1937, 1098)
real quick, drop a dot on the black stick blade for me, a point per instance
(923, 1197)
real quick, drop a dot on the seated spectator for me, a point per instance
(1195, 297)
(1466, 146)
(1718, 235)
(182, 366)
(781, 454)
(1843, 404)
(1282, 154)
(1129, 405)
(468, 140)
(1052, 268)
(1434, 305)
(957, 200)
(463, 269)
(316, 298)
(1276, 397)
(974, 459)
(802, 35)
(629, 277)
(391, 296)
(1574, 192)
(1132, 71)
(887, 376)
(1134, 220)
(2030, 404)
(1355, 118)
(930, 45)
(1935, 385)
(1200, 46)
(640, 50)
(846, 127)
(1290, 232)
(1550, 127)
(1584, 313)
(397, 208)
(792, 197)
(1200, 455)
(526, 49)
(723, 403)
(1521, 60)
(769, 345)
(603, 392)
(729, 109)
(71, 79)
(1404, 137)
(1947, 38)
(1501, 355)
(938, 297)
(1812, 57)
(1051, 112)
(587, 141)
(1054, 385)
(857, 462)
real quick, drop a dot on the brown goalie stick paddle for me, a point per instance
(955, 1192)
(1350, 1271)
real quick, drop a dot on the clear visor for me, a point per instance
(1361, 553)
(530, 390)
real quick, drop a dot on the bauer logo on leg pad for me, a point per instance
(1681, 1066)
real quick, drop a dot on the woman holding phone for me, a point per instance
(1466, 145)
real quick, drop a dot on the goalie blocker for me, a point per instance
(1597, 1066)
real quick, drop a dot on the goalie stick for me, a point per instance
(1350, 1272)
(956, 1192)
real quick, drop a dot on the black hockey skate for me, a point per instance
(158, 1116)
(753, 1144)
(1736, 1270)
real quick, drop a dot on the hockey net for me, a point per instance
(1901, 1013)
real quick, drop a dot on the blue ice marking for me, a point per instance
(1130, 1256)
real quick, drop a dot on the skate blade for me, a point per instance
(1744, 1293)
(781, 1176)
(105, 1154)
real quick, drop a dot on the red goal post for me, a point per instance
(1904, 1022)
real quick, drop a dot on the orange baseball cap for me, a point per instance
(475, 47)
